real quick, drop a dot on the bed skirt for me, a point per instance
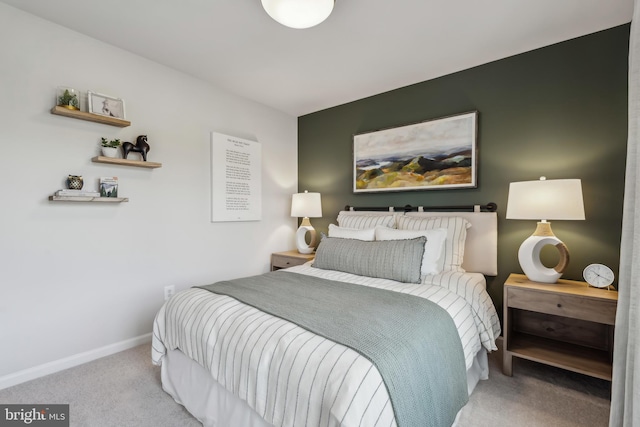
(192, 386)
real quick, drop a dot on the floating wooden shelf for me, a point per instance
(82, 115)
(126, 162)
(88, 199)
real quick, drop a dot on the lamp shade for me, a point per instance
(306, 205)
(554, 199)
(298, 13)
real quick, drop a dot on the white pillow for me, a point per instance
(366, 221)
(368, 234)
(456, 236)
(432, 260)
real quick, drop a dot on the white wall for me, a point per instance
(76, 277)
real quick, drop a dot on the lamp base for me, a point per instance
(529, 255)
(301, 241)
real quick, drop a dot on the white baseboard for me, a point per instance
(71, 361)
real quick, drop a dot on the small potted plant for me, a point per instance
(68, 98)
(110, 148)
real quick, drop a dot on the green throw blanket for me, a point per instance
(412, 341)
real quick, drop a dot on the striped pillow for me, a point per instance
(352, 233)
(456, 236)
(398, 260)
(366, 221)
(432, 259)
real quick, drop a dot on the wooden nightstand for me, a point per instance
(289, 259)
(566, 324)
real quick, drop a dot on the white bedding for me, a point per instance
(292, 377)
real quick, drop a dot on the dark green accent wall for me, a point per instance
(558, 111)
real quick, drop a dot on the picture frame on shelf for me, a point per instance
(105, 105)
(109, 186)
(436, 154)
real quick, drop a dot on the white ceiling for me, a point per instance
(364, 48)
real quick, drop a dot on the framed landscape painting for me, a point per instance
(431, 155)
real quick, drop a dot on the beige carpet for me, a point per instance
(124, 390)
(119, 390)
(537, 396)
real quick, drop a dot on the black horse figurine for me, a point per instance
(141, 147)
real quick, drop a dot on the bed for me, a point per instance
(229, 356)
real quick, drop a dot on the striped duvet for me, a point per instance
(292, 377)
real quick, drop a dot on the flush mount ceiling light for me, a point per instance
(298, 13)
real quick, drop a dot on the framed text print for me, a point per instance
(236, 179)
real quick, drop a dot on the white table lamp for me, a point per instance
(555, 199)
(306, 205)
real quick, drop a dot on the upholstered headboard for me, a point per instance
(481, 245)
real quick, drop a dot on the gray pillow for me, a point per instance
(398, 260)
